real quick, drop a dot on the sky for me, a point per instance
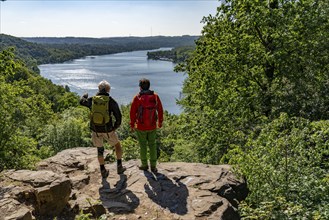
(104, 18)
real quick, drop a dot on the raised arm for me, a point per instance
(85, 101)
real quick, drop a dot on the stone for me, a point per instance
(70, 182)
(46, 192)
(11, 209)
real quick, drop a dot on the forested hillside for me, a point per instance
(132, 42)
(56, 50)
(31, 53)
(28, 105)
(177, 55)
(256, 97)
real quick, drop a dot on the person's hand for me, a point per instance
(160, 124)
(85, 95)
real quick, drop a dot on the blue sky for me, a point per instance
(104, 18)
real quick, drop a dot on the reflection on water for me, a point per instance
(123, 71)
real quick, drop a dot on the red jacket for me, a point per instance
(138, 107)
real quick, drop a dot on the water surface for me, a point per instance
(122, 71)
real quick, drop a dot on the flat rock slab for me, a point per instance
(178, 191)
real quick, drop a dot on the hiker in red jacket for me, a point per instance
(146, 111)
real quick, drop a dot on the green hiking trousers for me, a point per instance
(147, 139)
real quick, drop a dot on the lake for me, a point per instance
(122, 71)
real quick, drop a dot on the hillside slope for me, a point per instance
(41, 50)
(156, 41)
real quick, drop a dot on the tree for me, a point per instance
(286, 167)
(254, 60)
(27, 105)
(22, 114)
(256, 96)
(68, 130)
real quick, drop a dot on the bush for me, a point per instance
(285, 169)
(68, 131)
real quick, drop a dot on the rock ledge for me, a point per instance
(70, 182)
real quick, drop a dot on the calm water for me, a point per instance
(122, 71)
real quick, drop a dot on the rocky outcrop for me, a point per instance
(39, 193)
(68, 184)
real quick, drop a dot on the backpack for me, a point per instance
(147, 111)
(99, 114)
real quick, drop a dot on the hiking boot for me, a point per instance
(121, 169)
(154, 169)
(105, 173)
(145, 168)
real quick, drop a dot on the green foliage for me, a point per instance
(168, 55)
(130, 148)
(256, 96)
(171, 141)
(128, 139)
(56, 95)
(89, 216)
(183, 53)
(27, 105)
(70, 129)
(254, 60)
(176, 55)
(22, 111)
(19, 152)
(284, 163)
(83, 216)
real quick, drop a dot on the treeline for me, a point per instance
(177, 55)
(156, 41)
(56, 50)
